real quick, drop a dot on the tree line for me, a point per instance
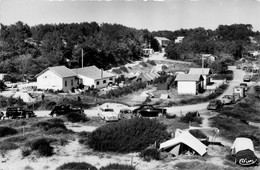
(28, 50)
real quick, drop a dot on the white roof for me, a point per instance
(186, 138)
(242, 143)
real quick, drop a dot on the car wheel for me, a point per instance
(54, 115)
(10, 117)
(160, 114)
(139, 114)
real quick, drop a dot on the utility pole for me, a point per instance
(82, 57)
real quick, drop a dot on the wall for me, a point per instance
(49, 80)
(186, 87)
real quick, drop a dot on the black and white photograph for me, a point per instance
(129, 84)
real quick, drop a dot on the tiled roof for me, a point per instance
(204, 71)
(92, 72)
(61, 71)
(188, 77)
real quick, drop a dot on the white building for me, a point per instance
(189, 83)
(179, 39)
(57, 78)
(94, 77)
(205, 72)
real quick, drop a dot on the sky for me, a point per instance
(153, 15)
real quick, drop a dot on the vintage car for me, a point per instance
(19, 112)
(125, 114)
(227, 99)
(244, 85)
(108, 114)
(214, 104)
(243, 151)
(149, 111)
(65, 109)
(247, 78)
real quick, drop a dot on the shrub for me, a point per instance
(117, 71)
(143, 64)
(6, 146)
(116, 166)
(152, 62)
(5, 131)
(76, 117)
(191, 117)
(76, 166)
(149, 154)
(42, 145)
(26, 151)
(124, 69)
(127, 135)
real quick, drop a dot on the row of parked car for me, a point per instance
(109, 114)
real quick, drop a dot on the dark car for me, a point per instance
(19, 112)
(214, 104)
(65, 109)
(244, 85)
(125, 114)
(149, 111)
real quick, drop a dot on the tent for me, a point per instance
(24, 96)
(243, 149)
(165, 96)
(184, 143)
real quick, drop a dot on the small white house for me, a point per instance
(205, 72)
(189, 83)
(57, 78)
(94, 77)
(179, 39)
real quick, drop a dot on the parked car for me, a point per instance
(227, 99)
(214, 104)
(243, 151)
(108, 114)
(19, 112)
(125, 114)
(247, 78)
(149, 111)
(65, 109)
(244, 85)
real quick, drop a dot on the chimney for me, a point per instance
(101, 73)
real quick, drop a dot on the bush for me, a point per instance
(76, 166)
(191, 117)
(5, 131)
(124, 69)
(117, 167)
(42, 145)
(6, 146)
(76, 117)
(127, 135)
(143, 64)
(149, 154)
(152, 62)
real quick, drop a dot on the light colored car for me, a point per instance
(108, 114)
(227, 99)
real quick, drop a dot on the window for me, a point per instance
(72, 82)
(104, 81)
(111, 78)
(65, 83)
(97, 82)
